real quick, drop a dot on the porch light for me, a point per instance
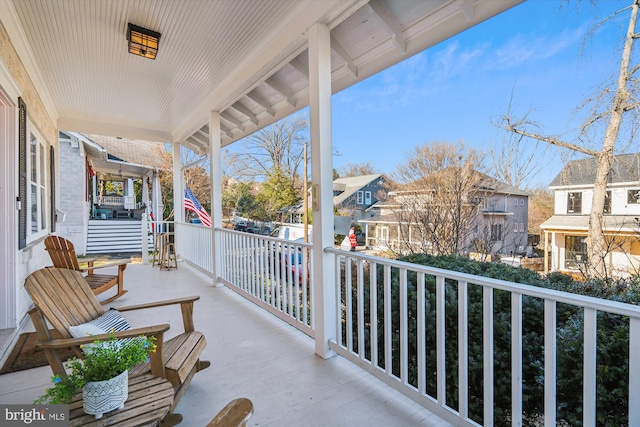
(143, 42)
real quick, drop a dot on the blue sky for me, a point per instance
(455, 90)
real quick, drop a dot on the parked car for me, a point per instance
(292, 256)
(242, 226)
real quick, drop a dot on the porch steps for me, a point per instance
(107, 236)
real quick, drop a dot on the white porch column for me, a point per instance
(216, 191)
(156, 198)
(178, 195)
(94, 190)
(128, 190)
(178, 185)
(546, 250)
(322, 181)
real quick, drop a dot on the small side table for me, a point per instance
(150, 399)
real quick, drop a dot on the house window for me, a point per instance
(37, 213)
(633, 196)
(522, 227)
(496, 232)
(367, 197)
(382, 235)
(359, 197)
(575, 251)
(607, 203)
(574, 202)
(516, 227)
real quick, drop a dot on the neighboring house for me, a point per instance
(90, 215)
(352, 196)
(497, 220)
(566, 231)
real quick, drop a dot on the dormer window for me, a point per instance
(574, 203)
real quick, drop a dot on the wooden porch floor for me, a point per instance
(253, 355)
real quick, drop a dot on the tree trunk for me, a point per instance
(595, 239)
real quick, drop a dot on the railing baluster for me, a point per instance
(348, 289)
(421, 327)
(550, 346)
(387, 319)
(487, 338)
(589, 382)
(373, 303)
(463, 350)
(516, 359)
(338, 280)
(404, 328)
(305, 284)
(296, 281)
(360, 285)
(440, 341)
(634, 371)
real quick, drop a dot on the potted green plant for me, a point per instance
(102, 374)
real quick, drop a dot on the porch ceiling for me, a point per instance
(246, 59)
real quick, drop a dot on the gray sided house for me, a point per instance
(566, 231)
(101, 218)
(496, 223)
(353, 196)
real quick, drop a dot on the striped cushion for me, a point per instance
(110, 320)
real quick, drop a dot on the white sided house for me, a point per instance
(566, 231)
(100, 212)
(497, 221)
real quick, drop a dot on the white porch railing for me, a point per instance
(431, 334)
(128, 202)
(193, 244)
(460, 345)
(273, 273)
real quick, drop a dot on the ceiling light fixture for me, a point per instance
(143, 42)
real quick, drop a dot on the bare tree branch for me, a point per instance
(550, 140)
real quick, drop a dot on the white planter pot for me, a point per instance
(99, 397)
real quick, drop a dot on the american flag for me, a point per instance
(191, 203)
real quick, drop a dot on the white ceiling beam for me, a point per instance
(246, 112)
(281, 90)
(387, 18)
(468, 9)
(194, 145)
(228, 117)
(342, 53)
(255, 97)
(201, 137)
(225, 130)
(300, 67)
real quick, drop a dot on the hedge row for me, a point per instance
(613, 340)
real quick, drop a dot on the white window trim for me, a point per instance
(359, 197)
(42, 183)
(367, 197)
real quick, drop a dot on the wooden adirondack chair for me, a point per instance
(235, 414)
(63, 255)
(63, 298)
